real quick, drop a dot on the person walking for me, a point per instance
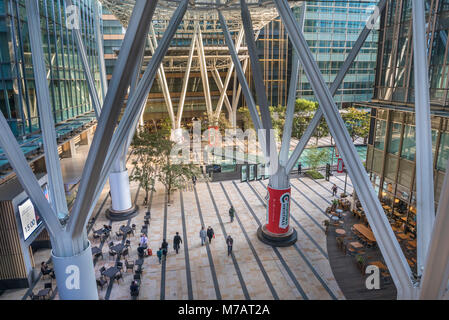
(159, 255)
(176, 242)
(194, 180)
(203, 235)
(232, 213)
(164, 247)
(229, 243)
(299, 168)
(334, 190)
(210, 233)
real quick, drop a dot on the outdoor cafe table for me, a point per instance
(111, 272)
(126, 229)
(365, 231)
(139, 262)
(96, 250)
(43, 293)
(118, 248)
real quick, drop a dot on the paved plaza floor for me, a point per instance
(253, 271)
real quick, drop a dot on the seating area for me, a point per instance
(119, 251)
(355, 244)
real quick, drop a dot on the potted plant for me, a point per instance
(334, 204)
(360, 262)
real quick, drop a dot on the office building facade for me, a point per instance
(391, 156)
(22, 233)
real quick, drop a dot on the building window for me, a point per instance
(409, 143)
(394, 138)
(379, 140)
(443, 155)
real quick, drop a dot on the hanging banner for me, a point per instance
(340, 165)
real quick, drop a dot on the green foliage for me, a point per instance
(314, 174)
(357, 121)
(153, 161)
(314, 157)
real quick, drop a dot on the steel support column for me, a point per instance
(425, 208)
(128, 58)
(436, 272)
(388, 244)
(55, 182)
(136, 103)
(333, 89)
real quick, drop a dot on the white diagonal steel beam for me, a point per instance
(228, 76)
(244, 85)
(436, 268)
(236, 99)
(425, 207)
(118, 86)
(55, 183)
(257, 77)
(333, 89)
(86, 68)
(290, 112)
(185, 82)
(216, 76)
(99, 40)
(131, 115)
(386, 240)
(27, 178)
(204, 74)
(162, 79)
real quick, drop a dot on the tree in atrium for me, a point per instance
(155, 161)
(313, 158)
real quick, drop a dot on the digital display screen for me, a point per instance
(29, 217)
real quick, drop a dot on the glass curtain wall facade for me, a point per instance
(392, 146)
(331, 29)
(275, 59)
(67, 82)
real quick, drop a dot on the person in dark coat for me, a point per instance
(232, 213)
(210, 233)
(229, 243)
(164, 247)
(176, 242)
(334, 190)
(299, 168)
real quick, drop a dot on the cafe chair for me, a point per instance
(129, 265)
(125, 252)
(102, 270)
(48, 285)
(112, 254)
(33, 296)
(101, 282)
(118, 276)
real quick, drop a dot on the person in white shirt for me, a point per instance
(143, 240)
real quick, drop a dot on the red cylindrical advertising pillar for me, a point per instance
(277, 231)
